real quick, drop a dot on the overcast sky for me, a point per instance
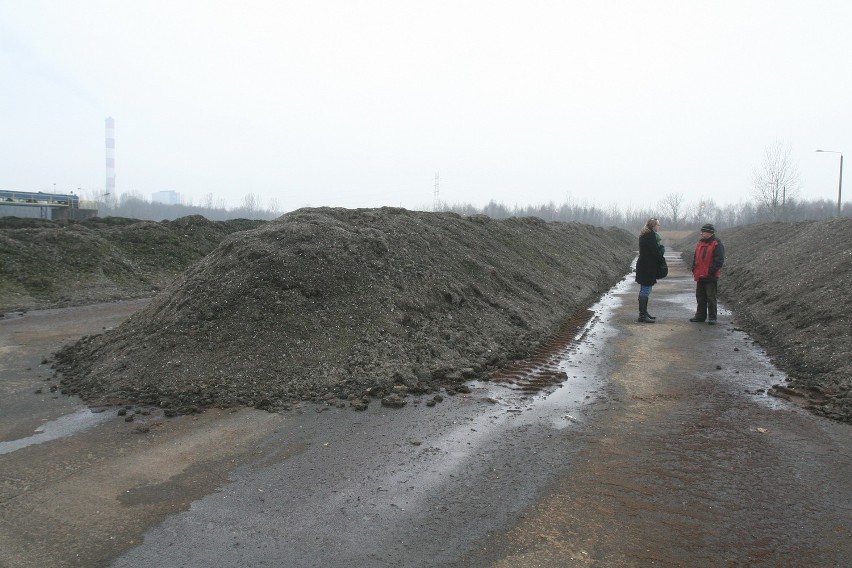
(358, 103)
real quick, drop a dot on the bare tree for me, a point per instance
(672, 205)
(251, 203)
(705, 211)
(776, 180)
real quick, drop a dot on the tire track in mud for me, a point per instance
(541, 371)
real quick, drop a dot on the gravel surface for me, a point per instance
(348, 306)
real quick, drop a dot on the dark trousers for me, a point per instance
(705, 294)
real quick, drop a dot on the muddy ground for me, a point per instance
(788, 284)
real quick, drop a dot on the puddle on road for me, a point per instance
(575, 356)
(63, 426)
(564, 375)
(687, 301)
(760, 372)
(556, 382)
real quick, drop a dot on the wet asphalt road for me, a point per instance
(416, 486)
(660, 449)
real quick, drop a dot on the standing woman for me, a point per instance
(650, 257)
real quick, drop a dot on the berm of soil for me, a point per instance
(46, 264)
(343, 306)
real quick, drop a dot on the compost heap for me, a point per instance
(336, 304)
(46, 264)
(788, 286)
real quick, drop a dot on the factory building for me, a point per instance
(40, 205)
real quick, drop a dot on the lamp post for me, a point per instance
(840, 182)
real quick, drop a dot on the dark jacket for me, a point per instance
(650, 256)
(708, 260)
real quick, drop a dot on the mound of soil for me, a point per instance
(788, 286)
(336, 304)
(49, 264)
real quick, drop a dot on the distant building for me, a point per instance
(40, 205)
(167, 197)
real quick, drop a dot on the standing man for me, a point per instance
(706, 267)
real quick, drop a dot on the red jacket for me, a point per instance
(708, 260)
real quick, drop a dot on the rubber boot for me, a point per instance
(649, 316)
(643, 310)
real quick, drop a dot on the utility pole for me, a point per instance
(436, 200)
(839, 179)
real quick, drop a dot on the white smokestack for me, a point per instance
(110, 156)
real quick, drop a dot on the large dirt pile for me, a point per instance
(328, 304)
(48, 264)
(788, 286)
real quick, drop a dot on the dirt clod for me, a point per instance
(393, 401)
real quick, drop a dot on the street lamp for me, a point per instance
(839, 183)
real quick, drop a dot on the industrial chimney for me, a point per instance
(110, 156)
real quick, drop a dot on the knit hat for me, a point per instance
(708, 228)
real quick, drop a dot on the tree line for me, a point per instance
(775, 186)
(775, 189)
(673, 211)
(134, 206)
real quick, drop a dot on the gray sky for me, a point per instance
(357, 103)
